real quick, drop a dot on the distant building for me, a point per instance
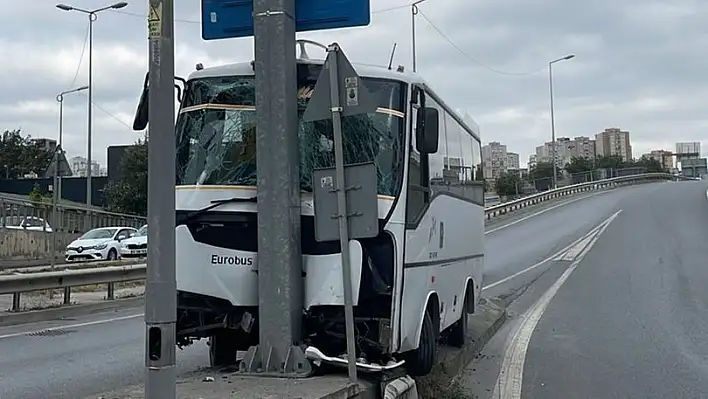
(79, 165)
(512, 162)
(690, 150)
(614, 142)
(495, 159)
(665, 158)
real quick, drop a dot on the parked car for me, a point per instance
(136, 245)
(31, 223)
(98, 244)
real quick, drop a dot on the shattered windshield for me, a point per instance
(216, 134)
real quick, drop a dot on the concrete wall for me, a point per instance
(31, 247)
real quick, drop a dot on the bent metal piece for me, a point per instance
(317, 357)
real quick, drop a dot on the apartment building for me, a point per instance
(512, 162)
(665, 158)
(614, 142)
(495, 159)
(79, 165)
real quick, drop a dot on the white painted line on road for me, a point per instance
(542, 211)
(510, 379)
(71, 326)
(555, 256)
(573, 253)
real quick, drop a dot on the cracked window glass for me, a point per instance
(216, 134)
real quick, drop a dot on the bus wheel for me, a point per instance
(458, 332)
(222, 348)
(419, 362)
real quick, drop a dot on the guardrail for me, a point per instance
(511, 206)
(110, 275)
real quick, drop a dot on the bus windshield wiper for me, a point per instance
(215, 203)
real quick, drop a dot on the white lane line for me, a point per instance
(71, 326)
(555, 256)
(510, 380)
(542, 212)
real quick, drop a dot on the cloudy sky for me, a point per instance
(641, 65)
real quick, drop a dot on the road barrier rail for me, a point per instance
(110, 274)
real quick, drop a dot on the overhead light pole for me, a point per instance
(414, 12)
(56, 188)
(92, 15)
(553, 122)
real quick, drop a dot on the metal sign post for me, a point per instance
(329, 101)
(161, 287)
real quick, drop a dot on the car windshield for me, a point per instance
(97, 234)
(216, 134)
(142, 232)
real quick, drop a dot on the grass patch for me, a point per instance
(437, 386)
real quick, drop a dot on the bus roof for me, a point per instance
(370, 71)
(364, 70)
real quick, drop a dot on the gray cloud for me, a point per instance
(640, 65)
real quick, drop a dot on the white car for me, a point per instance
(31, 223)
(136, 245)
(98, 244)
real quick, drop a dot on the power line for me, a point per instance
(483, 65)
(107, 112)
(81, 58)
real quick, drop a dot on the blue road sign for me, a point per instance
(223, 19)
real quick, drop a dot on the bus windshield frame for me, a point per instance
(215, 134)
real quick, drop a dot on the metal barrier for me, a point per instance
(109, 275)
(72, 219)
(512, 206)
(45, 228)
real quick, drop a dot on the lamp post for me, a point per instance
(56, 190)
(553, 122)
(414, 12)
(93, 15)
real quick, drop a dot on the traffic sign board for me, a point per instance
(223, 19)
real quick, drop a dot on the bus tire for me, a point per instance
(420, 361)
(457, 335)
(222, 348)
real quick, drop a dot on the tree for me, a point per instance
(128, 193)
(542, 170)
(508, 184)
(580, 165)
(21, 155)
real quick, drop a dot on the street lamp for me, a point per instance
(93, 15)
(414, 12)
(56, 190)
(553, 122)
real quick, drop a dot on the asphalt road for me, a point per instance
(103, 352)
(624, 318)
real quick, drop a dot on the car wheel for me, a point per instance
(112, 254)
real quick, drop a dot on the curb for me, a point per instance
(455, 360)
(33, 316)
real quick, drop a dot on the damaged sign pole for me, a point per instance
(161, 288)
(346, 191)
(342, 207)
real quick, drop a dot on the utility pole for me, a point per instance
(161, 288)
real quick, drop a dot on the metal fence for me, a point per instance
(70, 218)
(46, 228)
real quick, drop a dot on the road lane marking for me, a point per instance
(542, 211)
(510, 380)
(553, 257)
(72, 326)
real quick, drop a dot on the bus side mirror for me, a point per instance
(141, 114)
(140, 121)
(427, 130)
